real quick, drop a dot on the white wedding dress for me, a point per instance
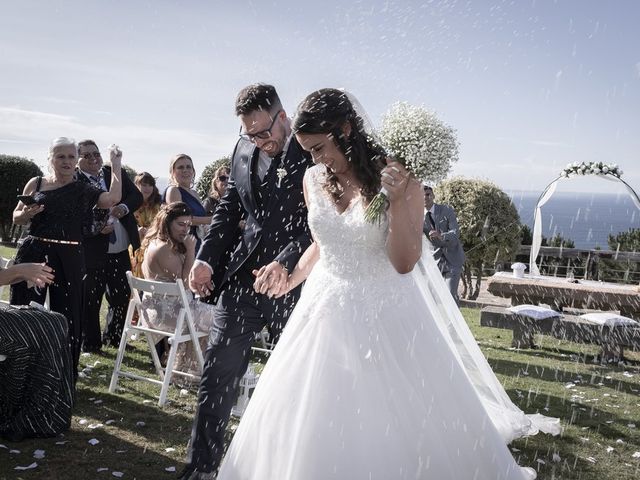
(368, 381)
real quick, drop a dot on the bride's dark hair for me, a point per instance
(326, 111)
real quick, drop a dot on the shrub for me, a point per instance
(490, 228)
(15, 172)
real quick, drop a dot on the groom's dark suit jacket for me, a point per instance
(275, 214)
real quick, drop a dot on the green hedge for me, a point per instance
(15, 172)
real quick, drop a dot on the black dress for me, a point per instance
(36, 377)
(66, 209)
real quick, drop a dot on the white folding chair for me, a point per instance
(4, 263)
(169, 292)
(266, 343)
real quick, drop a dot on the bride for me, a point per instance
(376, 375)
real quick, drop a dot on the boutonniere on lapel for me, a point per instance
(281, 173)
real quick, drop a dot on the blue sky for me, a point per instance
(528, 85)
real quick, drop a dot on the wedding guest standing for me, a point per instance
(36, 375)
(218, 187)
(61, 208)
(182, 177)
(144, 215)
(442, 231)
(265, 187)
(106, 247)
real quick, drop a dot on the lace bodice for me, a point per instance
(349, 245)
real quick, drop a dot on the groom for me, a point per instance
(265, 188)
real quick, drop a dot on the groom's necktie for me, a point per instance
(431, 222)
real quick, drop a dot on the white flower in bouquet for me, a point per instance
(593, 168)
(420, 141)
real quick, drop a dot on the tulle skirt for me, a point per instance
(364, 385)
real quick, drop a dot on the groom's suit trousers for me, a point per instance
(240, 316)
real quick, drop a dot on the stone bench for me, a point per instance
(612, 339)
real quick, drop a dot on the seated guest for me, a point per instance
(39, 274)
(169, 255)
(36, 370)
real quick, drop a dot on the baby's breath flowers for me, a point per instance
(421, 142)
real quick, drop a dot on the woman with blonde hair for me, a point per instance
(57, 211)
(182, 176)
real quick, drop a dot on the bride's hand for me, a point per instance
(285, 287)
(270, 279)
(395, 179)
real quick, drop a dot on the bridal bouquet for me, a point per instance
(421, 142)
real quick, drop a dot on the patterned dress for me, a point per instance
(36, 377)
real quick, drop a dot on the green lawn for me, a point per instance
(599, 406)
(6, 252)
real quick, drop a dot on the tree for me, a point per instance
(489, 226)
(203, 185)
(15, 172)
(526, 235)
(623, 271)
(559, 265)
(628, 241)
(559, 241)
(130, 171)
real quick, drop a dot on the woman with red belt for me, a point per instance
(60, 207)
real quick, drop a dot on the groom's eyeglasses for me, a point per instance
(262, 134)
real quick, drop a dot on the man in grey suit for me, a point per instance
(442, 231)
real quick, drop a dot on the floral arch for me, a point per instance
(606, 171)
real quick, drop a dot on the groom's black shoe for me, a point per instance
(188, 473)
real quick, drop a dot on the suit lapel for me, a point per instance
(437, 212)
(271, 182)
(247, 158)
(106, 174)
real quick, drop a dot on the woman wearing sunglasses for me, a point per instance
(218, 187)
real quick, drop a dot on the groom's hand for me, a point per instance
(200, 279)
(270, 279)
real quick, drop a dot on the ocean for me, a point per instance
(585, 218)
